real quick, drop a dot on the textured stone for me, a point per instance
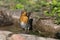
(4, 34)
(30, 37)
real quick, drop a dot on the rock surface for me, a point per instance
(46, 27)
(5, 19)
(29, 37)
(4, 36)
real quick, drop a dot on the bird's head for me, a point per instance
(24, 13)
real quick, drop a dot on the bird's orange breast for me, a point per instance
(24, 19)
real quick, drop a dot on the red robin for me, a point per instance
(24, 21)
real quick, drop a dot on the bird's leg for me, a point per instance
(28, 29)
(25, 30)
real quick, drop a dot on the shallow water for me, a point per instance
(14, 28)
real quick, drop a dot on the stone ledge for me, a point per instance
(4, 36)
(33, 37)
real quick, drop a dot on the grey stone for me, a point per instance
(4, 34)
(33, 37)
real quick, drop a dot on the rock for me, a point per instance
(28, 37)
(46, 27)
(16, 37)
(4, 34)
(5, 19)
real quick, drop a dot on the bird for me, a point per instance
(24, 21)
